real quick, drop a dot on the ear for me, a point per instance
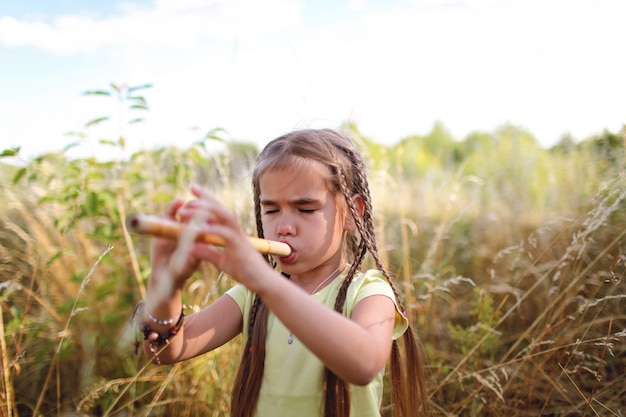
(349, 222)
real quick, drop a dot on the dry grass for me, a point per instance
(513, 274)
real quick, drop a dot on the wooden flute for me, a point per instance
(146, 224)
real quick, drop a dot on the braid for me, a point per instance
(367, 230)
(337, 398)
(247, 384)
(405, 399)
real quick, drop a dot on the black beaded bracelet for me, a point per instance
(158, 339)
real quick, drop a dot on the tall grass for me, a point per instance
(511, 258)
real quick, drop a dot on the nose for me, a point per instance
(285, 226)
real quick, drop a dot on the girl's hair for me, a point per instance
(347, 178)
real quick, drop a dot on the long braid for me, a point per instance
(247, 386)
(337, 393)
(403, 380)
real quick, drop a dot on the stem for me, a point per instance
(6, 371)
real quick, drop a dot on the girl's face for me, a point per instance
(299, 209)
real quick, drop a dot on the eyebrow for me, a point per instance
(297, 202)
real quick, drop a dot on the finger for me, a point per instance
(214, 209)
(198, 190)
(196, 212)
(204, 252)
(198, 204)
(206, 207)
(172, 208)
(221, 214)
(202, 193)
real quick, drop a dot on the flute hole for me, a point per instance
(133, 223)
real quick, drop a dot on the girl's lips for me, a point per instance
(289, 258)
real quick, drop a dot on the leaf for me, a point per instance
(96, 93)
(136, 120)
(212, 135)
(96, 121)
(18, 175)
(56, 256)
(139, 87)
(45, 199)
(10, 152)
(91, 203)
(139, 99)
(78, 134)
(70, 146)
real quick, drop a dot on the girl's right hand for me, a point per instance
(165, 258)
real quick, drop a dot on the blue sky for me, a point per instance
(261, 68)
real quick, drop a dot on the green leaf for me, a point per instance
(45, 199)
(91, 203)
(213, 135)
(78, 134)
(10, 152)
(70, 146)
(56, 256)
(96, 121)
(18, 175)
(139, 87)
(138, 99)
(96, 93)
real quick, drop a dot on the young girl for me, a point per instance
(317, 331)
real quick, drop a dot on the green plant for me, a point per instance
(511, 257)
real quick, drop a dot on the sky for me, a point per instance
(260, 68)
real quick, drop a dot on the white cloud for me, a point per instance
(552, 66)
(357, 4)
(173, 24)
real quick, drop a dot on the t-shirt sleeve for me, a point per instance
(372, 282)
(239, 294)
(244, 299)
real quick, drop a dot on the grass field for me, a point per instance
(512, 259)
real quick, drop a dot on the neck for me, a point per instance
(328, 278)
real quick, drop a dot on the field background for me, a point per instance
(511, 257)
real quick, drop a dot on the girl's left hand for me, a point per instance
(238, 258)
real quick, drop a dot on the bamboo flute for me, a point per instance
(146, 224)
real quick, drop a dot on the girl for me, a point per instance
(317, 331)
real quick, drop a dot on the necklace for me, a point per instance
(290, 338)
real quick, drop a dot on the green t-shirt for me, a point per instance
(293, 376)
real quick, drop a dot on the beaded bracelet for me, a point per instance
(159, 339)
(156, 339)
(162, 322)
